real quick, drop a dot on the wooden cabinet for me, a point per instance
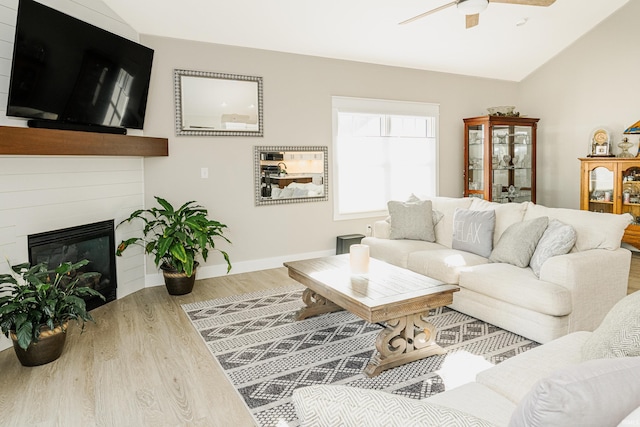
(500, 158)
(612, 185)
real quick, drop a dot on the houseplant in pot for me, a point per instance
(37, 304)
(175, 238)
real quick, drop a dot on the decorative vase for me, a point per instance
(48, 348)
(177, 282)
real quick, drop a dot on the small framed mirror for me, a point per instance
(217, 104)
(285, 174)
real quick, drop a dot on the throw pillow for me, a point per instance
(594, 393)
(412, 221)
(619, 333)
(557, 239)
(436, 216)
(333, 405)
(473, 231)
(518, 242)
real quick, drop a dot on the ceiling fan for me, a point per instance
(472, 8)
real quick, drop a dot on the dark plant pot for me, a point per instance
(177, 282)
(48, 348)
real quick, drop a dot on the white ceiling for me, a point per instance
(368, 30)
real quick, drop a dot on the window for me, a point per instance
(383, 150)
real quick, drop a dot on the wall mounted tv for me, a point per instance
(68, 74)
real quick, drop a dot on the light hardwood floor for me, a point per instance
(141, 364)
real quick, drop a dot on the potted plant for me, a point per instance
(37, 304)
(175, 237)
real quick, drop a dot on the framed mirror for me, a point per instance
(285, 174)
(217, 104)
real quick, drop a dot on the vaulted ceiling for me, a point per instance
(510, 42)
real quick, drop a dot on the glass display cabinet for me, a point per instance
(500, 158)
(612, 185)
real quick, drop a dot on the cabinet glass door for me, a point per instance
(631, 193)
(601, 190)
(475, 149)
(512, 163)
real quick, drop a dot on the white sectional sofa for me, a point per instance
(570, 292)
(581, 379)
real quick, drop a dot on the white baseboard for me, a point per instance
(209, 271)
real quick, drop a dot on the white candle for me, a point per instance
(359, 258)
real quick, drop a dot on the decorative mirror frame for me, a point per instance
(177, 89)
(260, 201)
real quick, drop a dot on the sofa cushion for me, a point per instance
(595, 393)
(443, 264)
(397, 252)
(517, 286)
(506, 214)
(619, 333)
(557, 239)
(337, 405)
(515, 377)
(594, 230)
(411, 220)
(473, 231)
(518, 242)
(633, 419)
(476, 399)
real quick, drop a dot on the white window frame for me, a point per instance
(376, 106)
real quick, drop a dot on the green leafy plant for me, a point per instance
(176, 236)
(33, 296)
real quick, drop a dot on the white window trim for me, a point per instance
(376, 106)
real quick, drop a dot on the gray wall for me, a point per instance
(297, 104)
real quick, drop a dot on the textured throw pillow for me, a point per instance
(436, 216)
(412, 221)
(473, 231)
(594, 393)
(518, 242)
(619, 333)
(338, 405)
(557, 239)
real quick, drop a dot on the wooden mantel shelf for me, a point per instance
(36, 141)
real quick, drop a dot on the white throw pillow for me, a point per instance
(596, 393)
(558, 239)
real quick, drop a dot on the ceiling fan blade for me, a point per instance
(526, 2)
(472, 20)
(422, 15)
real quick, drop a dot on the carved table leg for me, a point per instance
(403, 340)
(315, 304)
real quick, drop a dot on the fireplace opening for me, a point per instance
(94, 242)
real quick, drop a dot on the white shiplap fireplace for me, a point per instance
(43, 193)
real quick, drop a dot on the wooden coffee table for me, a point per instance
(390, 294)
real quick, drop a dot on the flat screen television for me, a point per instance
(69, 74)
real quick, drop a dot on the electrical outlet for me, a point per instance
(204, 173)
(368, 229)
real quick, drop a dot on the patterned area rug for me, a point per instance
(266, 354)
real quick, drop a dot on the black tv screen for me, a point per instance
(67, 71)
